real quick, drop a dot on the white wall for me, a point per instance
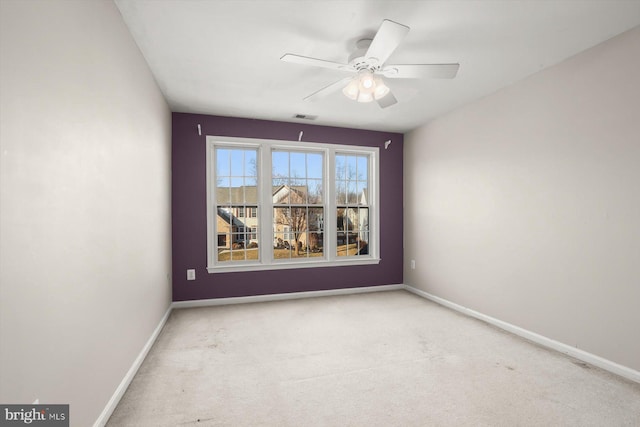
(85, 238)
(525, 205)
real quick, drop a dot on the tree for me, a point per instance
(294, 217)
(298, 207)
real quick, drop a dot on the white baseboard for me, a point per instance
(587, 357)
(279, 297)
(122, 388)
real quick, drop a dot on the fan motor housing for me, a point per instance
(358, 60)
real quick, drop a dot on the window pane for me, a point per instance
(250, 191)
(353, 232)
(341, 192)
(280, 192)
(341, 224)
(316, 219)
(358, 218)
(315, 191)
(364, 243)
(341, 167)
(298, 165)
(281, 246)
(237, 190)
(316, 246)
(363, 196)
(299, 192)
(224, 255)
(237, 162)
(223, 195)
(280, 164)
(363, 168)
(351, 167)
(351, 219)
(352, 193)
(314, 165)
(341, 235)
(223, 161)
(250, 165)
(280, 219)
(299, 248)
(298, 183)
(236, 184)
(361, 228)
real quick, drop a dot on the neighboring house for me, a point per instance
(296, 225)
(230, 229)
(353, 223)
(238, 221)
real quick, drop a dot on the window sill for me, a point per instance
(235, 268)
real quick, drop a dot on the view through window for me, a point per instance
(236, 193)
(352, 201)
(276, 205)
(298, 200)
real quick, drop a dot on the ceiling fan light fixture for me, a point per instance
(367, 82)
(381, 90)
(365, 87)
(365, 97)
(351, 90)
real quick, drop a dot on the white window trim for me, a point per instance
(265, 213)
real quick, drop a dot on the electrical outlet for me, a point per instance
(191, 274)
(413, 264)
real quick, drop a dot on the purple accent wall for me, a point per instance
(189, 211)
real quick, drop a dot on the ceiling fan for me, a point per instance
(368, 65)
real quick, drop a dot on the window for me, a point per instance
(352, 204)
(235, 186)
(279, 204)
(297, 182)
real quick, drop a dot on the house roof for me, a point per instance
(281, 191)
(229, 218)
(248, 195)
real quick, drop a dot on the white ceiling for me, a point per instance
(222, 57)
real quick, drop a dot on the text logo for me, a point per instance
(34, 415)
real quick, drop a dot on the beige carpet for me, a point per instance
(378, 359)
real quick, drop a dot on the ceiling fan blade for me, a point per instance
(386, 40)
(387, 101)
(327, 90)
(418, 71)
(315, 62)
